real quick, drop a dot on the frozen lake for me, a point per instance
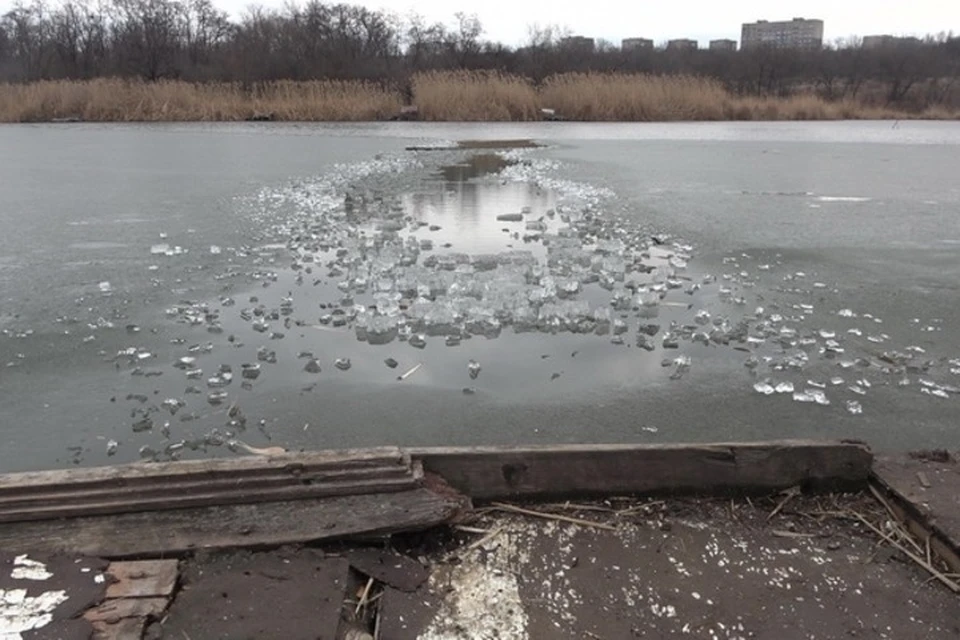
(770, 280)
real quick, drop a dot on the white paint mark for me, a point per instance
(485, 605)
(19, 612)
(26, 569)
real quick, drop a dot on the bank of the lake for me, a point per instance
(434, 96)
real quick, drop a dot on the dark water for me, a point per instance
(866, 210)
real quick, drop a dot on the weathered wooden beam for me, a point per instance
(931, 510)
(166, 533)
(242, 466)
(130, 488)
(533, 472)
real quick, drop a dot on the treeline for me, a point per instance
(194, 41)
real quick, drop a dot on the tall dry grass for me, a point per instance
(439, 96)
(633, 97)
(117, 100)
(474, 96)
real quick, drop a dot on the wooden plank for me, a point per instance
(293, 463)
(165, 499)
(123, 629)
(932, 510)
(489, 473)
(142, 578)
(164, 533)
(268, 478)
(112, 610)
(128, 488)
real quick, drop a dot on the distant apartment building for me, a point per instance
(798, 33)
(682, 44)
(635, 44)
(578, 43)
(887, 41)
(723, 45)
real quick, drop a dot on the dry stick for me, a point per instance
(953, 586)
(791, 492)
(552, 516)
(410, 373)
(466, 529)
(490, 535)
(639, 507)
(573, 506)
(791, 534)
(893, 514)
(363, 597)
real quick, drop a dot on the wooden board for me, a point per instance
(140, 472)
(926, 496)
(177, 485)
(142, 578)
(178, 531)
(489, 473)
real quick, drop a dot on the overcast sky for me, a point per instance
(506, 20)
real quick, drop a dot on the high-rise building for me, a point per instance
(798, 33)
(682, 44)
(579, 43)
(723, 45)
(633, 44)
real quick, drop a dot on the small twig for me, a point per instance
(552, 516)
(950, 584)
(466, 529)
(590, 634)
(790, 493)
(893, 514)
(573, 506)
(791, 534)
(479, 542)
(639, 507)
(363, 597)
(410, 373)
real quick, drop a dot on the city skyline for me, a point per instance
(507, 21)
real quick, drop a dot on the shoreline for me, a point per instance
(435, 97)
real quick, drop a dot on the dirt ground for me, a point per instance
(698, 569)
(788, 566)
(783, 567)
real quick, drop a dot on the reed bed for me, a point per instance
(474, 96)
(115, 100)
(438, 96)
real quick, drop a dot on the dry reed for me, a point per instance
(633, 97)
(439, 96)
(474, 96)
(136, 101)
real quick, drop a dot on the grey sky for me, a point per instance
(506, 20)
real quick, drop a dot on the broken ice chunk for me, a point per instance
(764, 387)
(854, 407)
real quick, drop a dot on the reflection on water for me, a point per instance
(458, 210)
